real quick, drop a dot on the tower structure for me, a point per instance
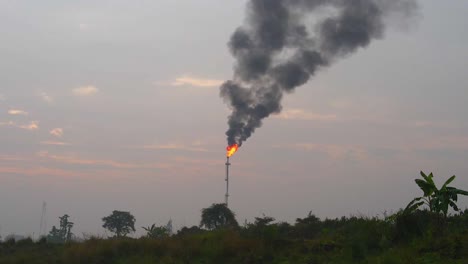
(43, 225)
(226, 197)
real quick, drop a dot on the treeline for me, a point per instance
(423, 232)
(418, 237)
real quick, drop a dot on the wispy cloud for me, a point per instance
(194, 147)
(85, 91)
(334, 151)
(46, 98)
(11, 158)
(41, 171)
(70, 159)
(57, 132)
(55, 143)
(300, 114)
(196, 81)
(440, 143)
(33, 125)
(9, 123)
(17, 112)
(83, 26)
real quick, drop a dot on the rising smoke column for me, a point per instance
(284, 42)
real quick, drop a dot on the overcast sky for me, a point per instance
(114, 105)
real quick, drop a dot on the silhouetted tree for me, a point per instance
(189, 230)
(308, 227)
(218, 216)
(119, 222)
(263, 221)
(262, 226)
(62, 234)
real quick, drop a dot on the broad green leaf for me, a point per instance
(448, 181)
(428, 178)
(462, 192)
(409, 207)
(438, 200)
(412, 207)
(426, 187)
(454, 206)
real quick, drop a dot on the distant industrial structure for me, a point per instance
(169, 228)
(226, 197)
(43, 224)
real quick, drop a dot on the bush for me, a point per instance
(413, 225)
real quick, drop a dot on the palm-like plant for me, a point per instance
(154, 231)
(438, 200)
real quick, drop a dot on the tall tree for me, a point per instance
(218, 216)
(119, 222)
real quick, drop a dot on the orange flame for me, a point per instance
(230, 150)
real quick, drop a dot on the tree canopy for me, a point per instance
(119, 222)
(218, 216)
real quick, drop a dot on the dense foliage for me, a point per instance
(409, 236)
(437, 200)
(218, 216)
(62, 234)
(400, 238)
(154, 231)
(119, 222)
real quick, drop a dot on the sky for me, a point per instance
(114, 105)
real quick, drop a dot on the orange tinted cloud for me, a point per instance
(176, 146)
(197, 82)
(17, 112)
(85, 91)
(98, 162)
(55, 143)
(9, 123)
(334, 151)
(11, 158)
(33, 125)
(300, 114)
(46, 98)
(42, 171)
(58, 132)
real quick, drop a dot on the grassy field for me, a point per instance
(420, 237)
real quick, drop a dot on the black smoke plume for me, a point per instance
(284, 42)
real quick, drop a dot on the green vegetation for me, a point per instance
(437, 200)
(408, 236)
(62, 234)
(119, 222)
(154, 231)
(218, 216)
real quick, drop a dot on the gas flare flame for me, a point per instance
(230, 150)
